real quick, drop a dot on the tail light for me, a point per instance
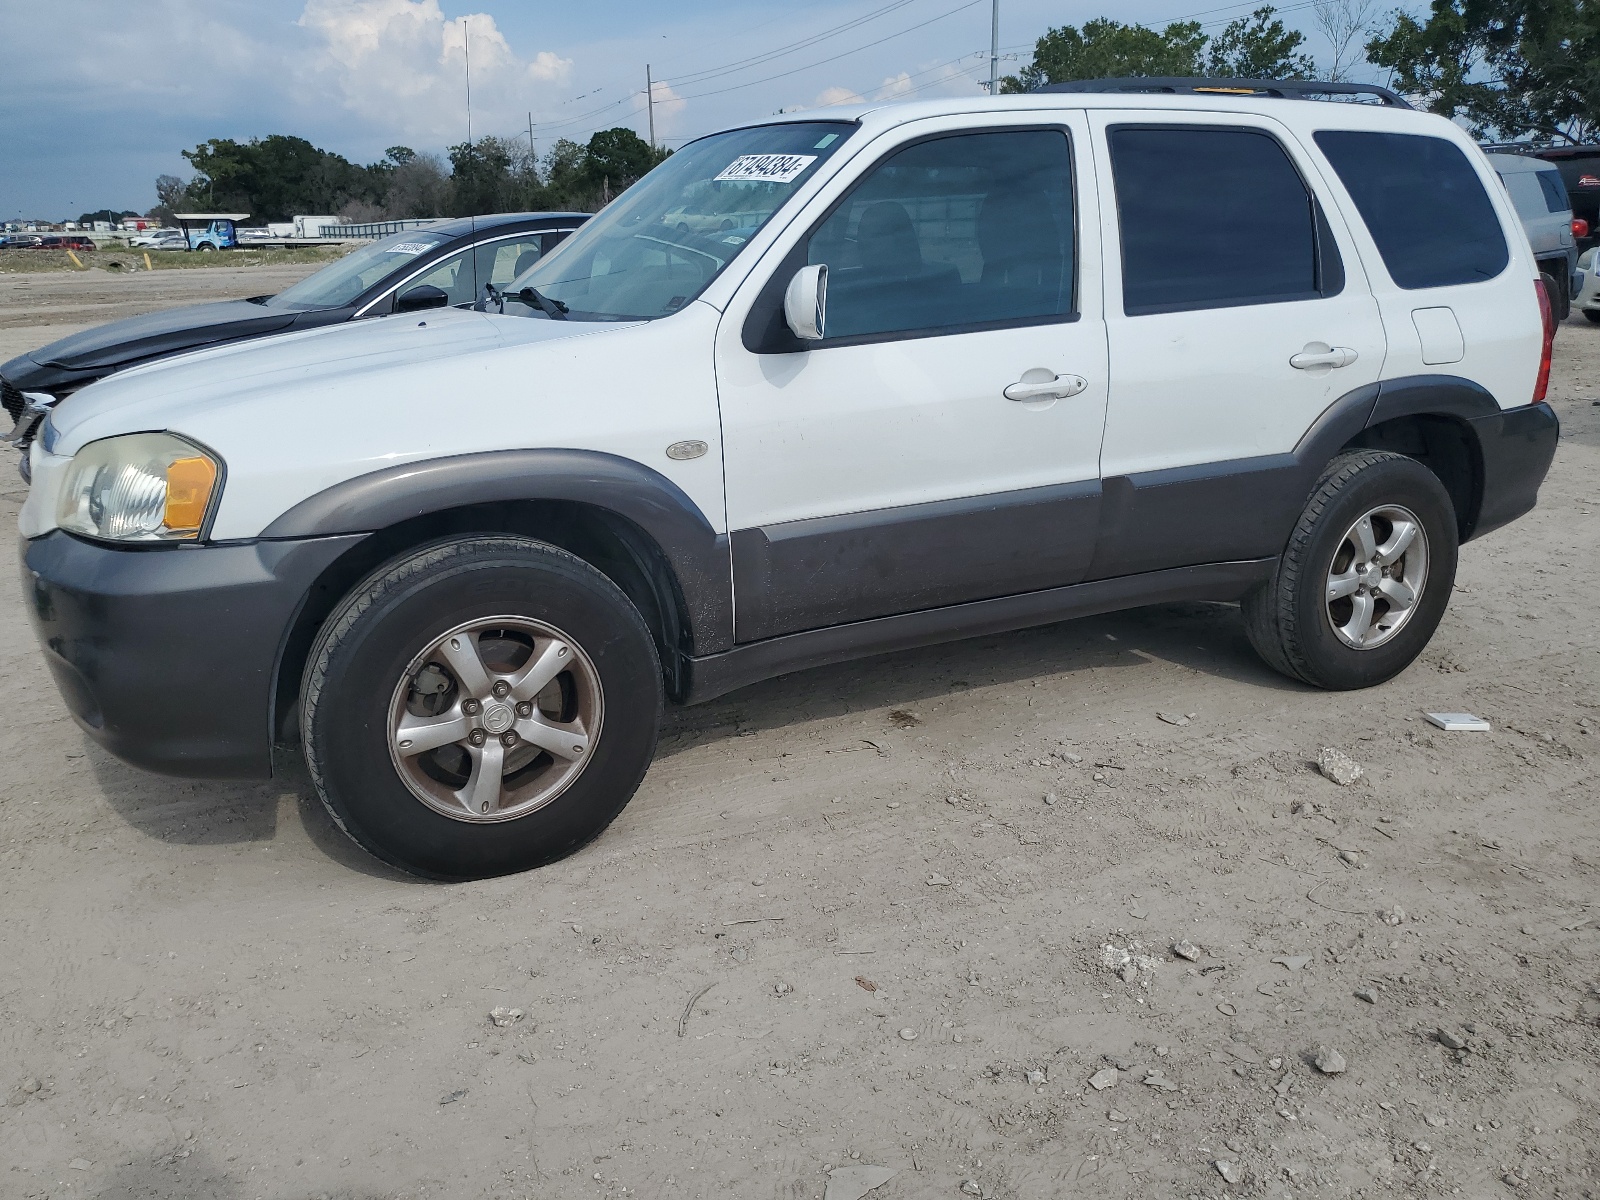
(1547, 314)
(1580, 227)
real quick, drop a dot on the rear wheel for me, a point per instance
(482, 706)
(1592, 315)
(1365, 578)
(1556, 289)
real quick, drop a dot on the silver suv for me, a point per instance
(1541, 201)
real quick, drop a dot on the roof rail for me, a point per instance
(1279, 89)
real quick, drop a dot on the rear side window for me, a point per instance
(1423, 204)
(1214, 217)
(1555, 192)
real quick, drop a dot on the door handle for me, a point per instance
(1058, 388)
(1320, 354)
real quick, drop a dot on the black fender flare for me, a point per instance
(695, 551)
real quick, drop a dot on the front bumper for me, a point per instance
(1517, 446)
(167, 656)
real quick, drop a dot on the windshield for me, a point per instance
(660, 243)
(338, 284)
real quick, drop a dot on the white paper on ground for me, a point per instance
(1459, 722)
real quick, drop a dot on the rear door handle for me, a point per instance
(1320, 354)
(1058, 388)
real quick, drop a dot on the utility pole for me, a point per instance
(650, 94)
(994, 51)
(530, 133)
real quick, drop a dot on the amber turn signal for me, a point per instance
(189, 484)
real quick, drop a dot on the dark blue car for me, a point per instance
(444, 264)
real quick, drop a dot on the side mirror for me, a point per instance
(805, 302)
(420, 297)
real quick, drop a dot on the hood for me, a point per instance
(333, 360)
(157, 333)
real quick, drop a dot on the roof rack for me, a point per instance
(1278, 89)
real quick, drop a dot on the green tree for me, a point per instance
(1507, 67)
(105, 214)
(479, 177)
(276, 177)
(1253, 47)
(1105, 49)
(614, 158)
(1259, 47)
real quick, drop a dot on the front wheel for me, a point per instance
(1592, 315)
(1365, 578)
(482, 706)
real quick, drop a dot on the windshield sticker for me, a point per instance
(767, 168)
(411, 248)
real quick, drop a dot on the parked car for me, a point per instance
(150, 237)
(1540, 199)
(1587, 300)
(19, 241)
(1580, 171)
(56, 241)
(955, 382)
(452, 261)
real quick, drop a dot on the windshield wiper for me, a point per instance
(554, 309)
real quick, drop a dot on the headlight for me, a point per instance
(141, 487)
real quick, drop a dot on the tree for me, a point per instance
(1340, 21)
(1506, 67)
(1259, 47)
(1105, 48)
(614, 158)
(478, 176)
(1253, 47)
(105, 214)
(418, 187)
(275, 177)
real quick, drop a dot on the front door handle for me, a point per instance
(1320, 354)
(1057, 388)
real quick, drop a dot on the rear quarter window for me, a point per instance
(1555, 192)
(1423, 203)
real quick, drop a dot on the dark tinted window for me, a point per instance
(1423, 204)
(1555, 192)
(1210, 218)
(953, 233)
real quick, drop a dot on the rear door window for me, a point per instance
(1213, 217)
(1424, 205)
(1555, 192)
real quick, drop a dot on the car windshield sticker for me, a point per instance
(767, 168)
(411, 248)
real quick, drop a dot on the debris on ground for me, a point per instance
(1329, 1061)
(1227, 1170)
(937, 880)
(1367, 994)
(1126, 962)
(1035, 1077)
(1156, 1078)
(854, 1182)
(1449, 1039)
(1394, 916)
(1173, 718)
(1117, 1116)
(1293, 962)
(504, 1017)
(782, 988)
(1338, 766)
(452, 1097)
(1186, 949)
(865, 984)
(1104, 1078)
(1458, 722)
(908, 1034)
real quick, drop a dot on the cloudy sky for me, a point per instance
(97, 98)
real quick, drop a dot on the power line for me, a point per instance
(709, 73)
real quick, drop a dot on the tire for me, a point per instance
(1560, 302)
(1592, 315)
(1293, 624)
(390, 660)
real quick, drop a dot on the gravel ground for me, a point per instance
(903, 913)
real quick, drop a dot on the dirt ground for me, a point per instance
(902, 882)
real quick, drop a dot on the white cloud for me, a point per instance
(404, 64)
(836, 95)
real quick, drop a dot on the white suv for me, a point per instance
(967, 366)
